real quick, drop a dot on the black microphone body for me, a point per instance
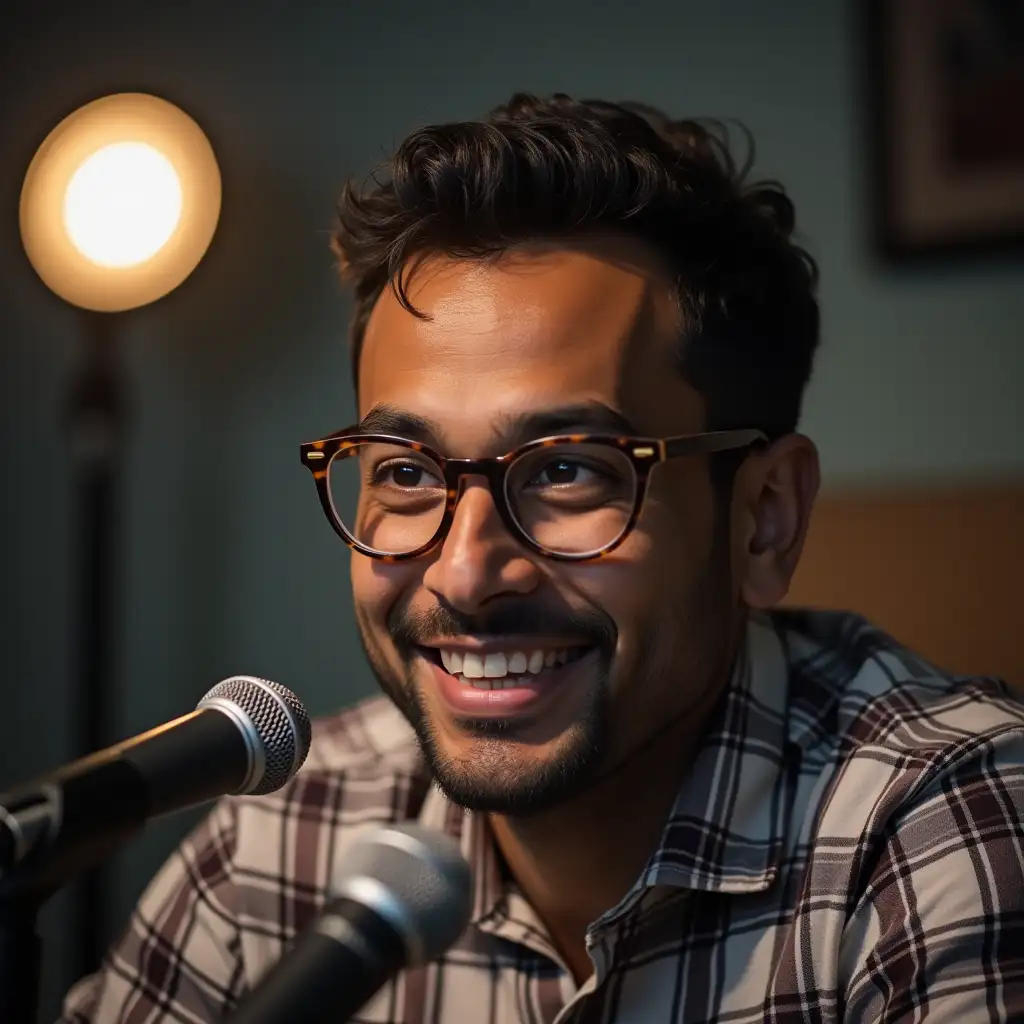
(331, 971)
(404, 896)
(70, 819)
(105, 798)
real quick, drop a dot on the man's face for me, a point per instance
(632, 643)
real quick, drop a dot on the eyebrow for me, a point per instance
(509, 430)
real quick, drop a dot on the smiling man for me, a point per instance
(575, 498)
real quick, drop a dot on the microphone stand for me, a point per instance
(30, 812)
(20, 960)
(22, 894)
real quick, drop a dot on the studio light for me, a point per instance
(120, 202)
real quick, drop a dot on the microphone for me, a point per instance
(247, 735)
(404, 897)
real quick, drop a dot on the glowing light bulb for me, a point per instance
(122, 204)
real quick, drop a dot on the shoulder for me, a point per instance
(895, 740)
(284, 848)
(859, 691)
(915, 783)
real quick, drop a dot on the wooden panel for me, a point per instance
(942, 570)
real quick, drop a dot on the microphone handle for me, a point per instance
(330, 972)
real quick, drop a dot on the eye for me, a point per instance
(564, 472)
(575, 477)
(404, 475)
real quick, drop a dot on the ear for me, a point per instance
(772, 501)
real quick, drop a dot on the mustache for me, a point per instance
(410, 629)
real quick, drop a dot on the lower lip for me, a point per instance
(468, 701)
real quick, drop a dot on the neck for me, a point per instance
(590, 851)
(578, 860)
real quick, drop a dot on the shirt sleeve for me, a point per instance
(938, 935)
(179, 958)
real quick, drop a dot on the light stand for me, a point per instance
(96, 423)
(119, 205)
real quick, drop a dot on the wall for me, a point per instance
(938, 567)
(229, 565)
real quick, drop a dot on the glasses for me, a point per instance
(572, 497)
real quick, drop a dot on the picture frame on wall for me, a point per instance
(946, 84)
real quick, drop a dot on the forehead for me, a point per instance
(534, 329)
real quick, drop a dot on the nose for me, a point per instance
(479, 560)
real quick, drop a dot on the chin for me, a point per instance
(488, 767)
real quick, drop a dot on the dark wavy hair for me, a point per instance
(557, 168)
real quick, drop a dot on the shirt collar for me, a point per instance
(726, 831)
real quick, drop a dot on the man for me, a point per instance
(574, 498)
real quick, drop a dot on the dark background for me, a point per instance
(228, 564)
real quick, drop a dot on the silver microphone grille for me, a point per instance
(278, 721)
(415, 878)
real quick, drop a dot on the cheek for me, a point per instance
(376, 587)
(646, 584)
(627, 587)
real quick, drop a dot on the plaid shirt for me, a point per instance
(847, 847)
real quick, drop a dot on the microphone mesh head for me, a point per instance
(427, 879)
(280, 722)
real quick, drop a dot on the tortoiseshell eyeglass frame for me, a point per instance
(644, 454)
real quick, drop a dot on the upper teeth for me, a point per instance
(497, 664)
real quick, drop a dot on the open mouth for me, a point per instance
(504, 670)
